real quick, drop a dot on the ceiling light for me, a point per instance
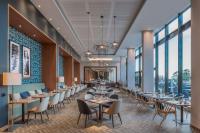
(39, 6)
(100, 59)
(20, 26)
(88, 52)
(115, 44)
(50, 19)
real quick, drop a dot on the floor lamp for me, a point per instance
(11, 79)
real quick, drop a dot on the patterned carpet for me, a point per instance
(134, 121)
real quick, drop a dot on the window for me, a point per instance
(173, 26)
(161, 34)
(138, 67)
(173, 65)
(187, 16)
(186, 76)
(161, 67)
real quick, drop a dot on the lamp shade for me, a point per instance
(8, 78)
(75, 79)
(61, 79)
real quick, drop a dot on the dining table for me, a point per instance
(100, 101)
(181, 105)
(23, 102)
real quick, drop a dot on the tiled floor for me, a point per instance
(134, 121)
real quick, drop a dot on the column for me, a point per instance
(123, 71)
(4, 60)
(147, 58)
(131, 68)
(195, 64)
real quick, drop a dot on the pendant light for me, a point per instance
(102, 46)
(88, 52)
(115, 44)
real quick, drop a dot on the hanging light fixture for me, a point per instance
(102, 46)
(115, 44)
(88, 52)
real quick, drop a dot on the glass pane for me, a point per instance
(161, 34)
(137, 52)
(173, 65)
(161, 68)
(187, 16)
(137, 64)
(140, 63)
(186, 84)
(173, 25)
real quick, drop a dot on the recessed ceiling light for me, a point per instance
(50, 19)
(34, 35)
(39, 6)
(20, 26)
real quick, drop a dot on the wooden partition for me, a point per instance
(49, 65)
(23, 25)
(77, 70)
(68, 67)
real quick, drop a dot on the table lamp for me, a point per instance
(10, 79)
(75, 79)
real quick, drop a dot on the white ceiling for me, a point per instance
(71, 18)
(153, 15)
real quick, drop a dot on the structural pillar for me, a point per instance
(123, 71)
(131, 68)
(195, 64)
(147, 58)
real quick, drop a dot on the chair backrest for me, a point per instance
(83, 107)
(73, 91)
(55, 99)
(44, 104)
(39, 91)
(62, 96)
(32, 93)
(88, 96)
(68, 93)
(115, 107)
(114, 96)
(16, 96)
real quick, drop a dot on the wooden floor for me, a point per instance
(134, 121)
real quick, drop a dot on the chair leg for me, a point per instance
(35, 115)
(79, 118)
(154, 116)
(54, 109)
(41, 116)
(47, 114)
(162, 120)
(28, 117)
(86, 120)
(112, 121)
(120, 118)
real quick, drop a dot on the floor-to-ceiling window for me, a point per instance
(138, 67)
(173, 46)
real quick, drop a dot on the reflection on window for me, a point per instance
(173, 65)
(186, 82)
(173, 25)
(161, 68)
(137, 64)
(161, 34)
(187, 16)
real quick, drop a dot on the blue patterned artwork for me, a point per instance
(35, 55)
(61, 63)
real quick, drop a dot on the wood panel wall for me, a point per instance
(77, 71)
(49, 65)
(68, 70)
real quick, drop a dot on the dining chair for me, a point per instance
(67, 95)
(72, 93)
(163, 109)
(85, 110)
(61, 99)
(53, 104)
(112, 110)
(40, 109)
(88, 96)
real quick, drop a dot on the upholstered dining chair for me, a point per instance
(113, 96)
(85, 110)
(61, 99)
(54, 102)
(67, 95)
(40, 109)
(112, 110)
